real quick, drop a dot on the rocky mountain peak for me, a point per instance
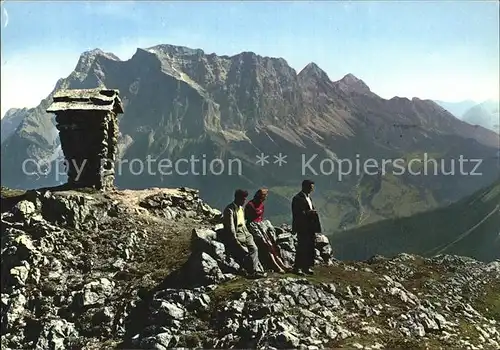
(248, 54)
(350, 83)
(149, 57)
(175, 50)
(87, 58)
(313, 71)
(11, 111)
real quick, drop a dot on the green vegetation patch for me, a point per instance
(88, 190)
(489, 303)
(166, 249)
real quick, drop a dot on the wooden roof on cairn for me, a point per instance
(86, 100)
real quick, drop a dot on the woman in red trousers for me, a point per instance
(262, 230)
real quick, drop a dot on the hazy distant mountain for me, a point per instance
(11, 121)
(181, 103)
(457, 108)
(470, 227)
(485, 114)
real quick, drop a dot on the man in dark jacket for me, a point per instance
(238, 239)
(305, 224)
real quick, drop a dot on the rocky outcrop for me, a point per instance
(144, 269)
(300, 313)
(62, 253)
(210, 263)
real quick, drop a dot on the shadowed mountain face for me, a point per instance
(182, 103)
(470, 227)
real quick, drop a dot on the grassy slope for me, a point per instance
(337, 208)
(469, 227)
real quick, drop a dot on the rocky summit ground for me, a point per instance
(143, 269)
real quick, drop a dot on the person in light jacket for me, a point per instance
(238, 239)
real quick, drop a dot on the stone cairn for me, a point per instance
(88, 130)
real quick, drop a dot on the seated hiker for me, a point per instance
(238, 239)
(263, 232)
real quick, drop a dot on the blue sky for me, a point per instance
(439, 50)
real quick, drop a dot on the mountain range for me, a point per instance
(181, 103)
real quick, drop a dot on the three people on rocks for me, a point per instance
(251, 239)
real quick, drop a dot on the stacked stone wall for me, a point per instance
(89, 143)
